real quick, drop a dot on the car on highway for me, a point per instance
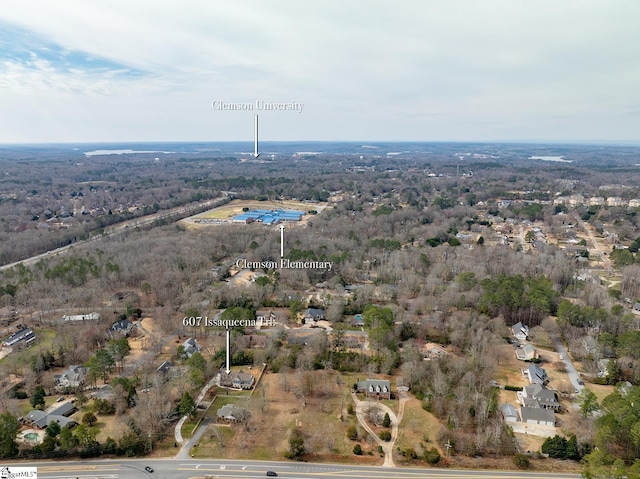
(561, 357)
(272, 474)
(148, 468)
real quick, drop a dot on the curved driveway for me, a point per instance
(387, 447)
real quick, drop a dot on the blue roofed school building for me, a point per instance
(268, 217)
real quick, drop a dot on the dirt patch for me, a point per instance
(529, 443)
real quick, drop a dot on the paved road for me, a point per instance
(123, 227)
(192, 468)
(568, 364)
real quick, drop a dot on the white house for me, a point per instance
(526, 352)
(243, 380)
(72, 377)
(520, 331)
(81, 317)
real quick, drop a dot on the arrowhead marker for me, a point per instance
(255, 137)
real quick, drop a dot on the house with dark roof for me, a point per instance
(376, 388)
(543, 417)
(535, 374)
(122, 327)
(60, 414)
(312, 315)
(22, 337)
(537, 396)
(165, 367)
(168, 371)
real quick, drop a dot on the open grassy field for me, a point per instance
(281, 403)
(418, 430)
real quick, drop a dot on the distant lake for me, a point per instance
(121, 152)
(559, 159)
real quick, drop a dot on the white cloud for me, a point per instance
(432, 70)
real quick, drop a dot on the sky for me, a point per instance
(408, 70)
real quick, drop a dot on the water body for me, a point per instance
(122, 152)
(559, 159)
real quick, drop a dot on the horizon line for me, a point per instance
(601, 142)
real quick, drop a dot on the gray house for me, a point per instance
(535, 374)
(312, 315)
(509, 413)
(60, 414)
(536, 395)
(231, 413)
(376, 388)
(243, 380)
(543, 417)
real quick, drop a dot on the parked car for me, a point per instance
(148, 469)
(580, 382)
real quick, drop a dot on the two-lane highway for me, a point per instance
(250, 469)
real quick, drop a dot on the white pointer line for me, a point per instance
(255, 137)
